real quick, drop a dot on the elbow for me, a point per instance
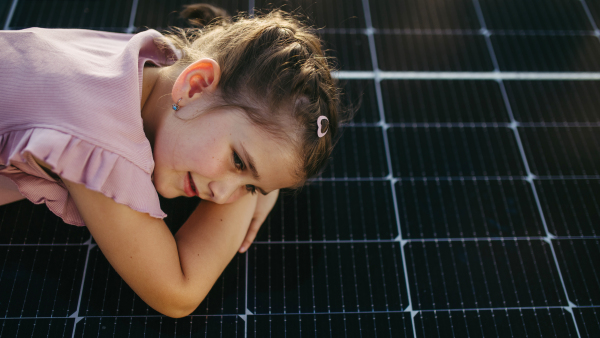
(178, 306)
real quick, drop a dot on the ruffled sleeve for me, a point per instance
(78, 161)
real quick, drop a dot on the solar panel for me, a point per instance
(462, 201)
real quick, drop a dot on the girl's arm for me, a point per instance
(171, 274)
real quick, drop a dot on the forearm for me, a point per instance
(172, 275)
(210, 238)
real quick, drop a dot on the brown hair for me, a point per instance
(274, 68)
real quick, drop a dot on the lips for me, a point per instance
(190, 187)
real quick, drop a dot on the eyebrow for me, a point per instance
(252, 167)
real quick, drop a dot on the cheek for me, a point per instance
(237, 194)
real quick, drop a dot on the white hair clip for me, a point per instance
(319, 126)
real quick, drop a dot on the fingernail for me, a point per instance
(242, 249)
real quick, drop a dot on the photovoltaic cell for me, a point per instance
(551, 15)
(106, 294)
(495, 323)
(554, 101)
(111, 15)
(424, 15)
(324, 278)
(578, 259)
(432, 53)
(588, 320)
(140, 326)
(351, 50)
(467, 208)
(40, 327)
(359, 153)
(428, 152)
(571, 207)
(443, 101)
(360, 97)
(526, 53)
(562, 151)
(333, 211)
(594, 8)
(482, 274)
(40, 281)
(393, 324)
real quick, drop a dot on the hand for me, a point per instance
(263, 207)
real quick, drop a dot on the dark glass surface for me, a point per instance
(308, 278)
(159, 14)
(554, 101)
(364, 325)
(426, 152)
(23, 222)
(523, 53)
(467, 208)
(562, 151)
(350, 49)
(579, 263)
(534, 15)
(109, 15)
(354, 285)
(482, 274)
(571, 207)
(457, 53)
(415, 14)
(442, 101)
(588, 322)
(496, 323)
(197, 326)
(106, 294)
(322, 14)
(594, 8)
(333, 211)
(4, 9)
(359, 96)
(42, 327)
(359, 153)
(40, 281)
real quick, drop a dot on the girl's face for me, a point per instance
(219, 156)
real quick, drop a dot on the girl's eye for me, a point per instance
(239, 164)
(251, 189)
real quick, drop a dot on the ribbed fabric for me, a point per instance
(72, 99)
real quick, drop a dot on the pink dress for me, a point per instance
(72, 99)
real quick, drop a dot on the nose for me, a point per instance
(225, 191)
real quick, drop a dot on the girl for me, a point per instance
(94, 124)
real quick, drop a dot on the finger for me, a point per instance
(250, 235)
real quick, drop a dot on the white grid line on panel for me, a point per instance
(446, 178)
(417, 31)
(496, 75)
(588, 13)
(329, 313)
(10, 14)
(384, 126)
(131, 26)
(75, 314)
(428, 239)
(530, 176)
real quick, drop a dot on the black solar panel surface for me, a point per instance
(462, 201)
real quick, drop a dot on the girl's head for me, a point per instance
(270, 69)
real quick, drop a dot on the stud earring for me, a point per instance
(176, 105)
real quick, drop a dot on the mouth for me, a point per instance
(190, 187)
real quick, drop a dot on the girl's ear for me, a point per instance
(201, 76)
